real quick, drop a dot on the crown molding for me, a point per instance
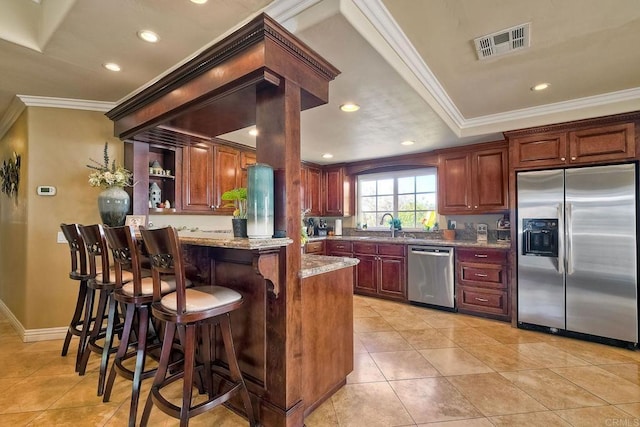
(283, 10)
(73, 104)
(16, 107)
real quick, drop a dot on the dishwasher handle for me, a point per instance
(430, 252)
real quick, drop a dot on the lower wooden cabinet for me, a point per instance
(315, 247)
(482, 282)
(381, 271)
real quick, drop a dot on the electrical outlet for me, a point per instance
(453, 224)
(61, 238)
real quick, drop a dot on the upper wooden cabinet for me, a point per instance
(605, 143)
(474, 181)
(336, 192)
(227, 175)
(247, 158)
(197, 178)
(311, 190)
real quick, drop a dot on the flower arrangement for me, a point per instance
(106, 176)
(238, 199)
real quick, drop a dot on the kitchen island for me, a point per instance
(319, 324)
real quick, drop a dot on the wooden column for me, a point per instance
(278, 145)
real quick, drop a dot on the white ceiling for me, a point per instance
(410, 64)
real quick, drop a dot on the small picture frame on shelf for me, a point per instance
(136, 221)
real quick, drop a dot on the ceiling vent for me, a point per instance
(503, 42)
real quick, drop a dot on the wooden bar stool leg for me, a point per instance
(161, 373)
(76, 320)
(143, 329)
(108, 342)
(189, 346)
(234, 368)
(81, 365)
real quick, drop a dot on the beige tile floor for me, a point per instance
(413, 367)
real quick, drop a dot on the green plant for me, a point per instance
(238, 200)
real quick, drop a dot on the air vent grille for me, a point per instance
(503, 42)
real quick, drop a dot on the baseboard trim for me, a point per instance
(32, 335)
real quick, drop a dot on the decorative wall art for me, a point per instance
(10, 175)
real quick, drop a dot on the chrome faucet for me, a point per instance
(393, 229)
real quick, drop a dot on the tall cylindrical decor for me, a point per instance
(260, 201)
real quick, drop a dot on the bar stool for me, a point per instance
(102, 282)
(190, 311)
(79, 273)
(136, 296)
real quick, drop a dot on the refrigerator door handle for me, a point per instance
(570, 268)
(560, 239)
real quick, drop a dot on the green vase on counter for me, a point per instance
(113, 205)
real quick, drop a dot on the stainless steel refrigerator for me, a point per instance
(577, 260)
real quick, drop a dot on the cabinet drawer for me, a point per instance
(365, 248)
(338, 246)
(394, 250)
(482, 300)
(482, 255)
(476, 274)
(316, 247)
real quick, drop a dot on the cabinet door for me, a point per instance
(601, 144)
(490, 180)
(226, 175)
(247, 158)
(392, 281)
(334, 191)
(366, 274)
(539, 150)
(454, 184)
(314, 191)
(197, 177)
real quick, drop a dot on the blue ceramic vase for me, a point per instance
(260, 201)
(113, 205)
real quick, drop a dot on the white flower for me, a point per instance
(106, 177)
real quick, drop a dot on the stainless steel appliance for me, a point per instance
(431, 276)
(577, 251)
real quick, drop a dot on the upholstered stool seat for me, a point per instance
(190, 316)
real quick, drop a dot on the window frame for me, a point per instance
(395, 175)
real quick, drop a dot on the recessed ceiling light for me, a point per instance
(349, 107)
(148, 36)
(111, 66)
(407, 142)
(327, 156)
(253, 132)
(199, 1)
(540, 86)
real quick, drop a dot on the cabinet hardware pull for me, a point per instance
(481, 275)
(562, 159)
(573, 158)
(482, 299)
(480, 255)
(214, 207)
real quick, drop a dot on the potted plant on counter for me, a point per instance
(237, 198)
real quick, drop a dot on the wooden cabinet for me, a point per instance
(474, 182)
(381, 270)
(315, 247)
(482, 282)
(574, 146)
(197, 178)
(336, 192)
(247, 158)
(226, 175)
(311, 190)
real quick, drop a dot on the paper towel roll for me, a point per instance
(337, 229)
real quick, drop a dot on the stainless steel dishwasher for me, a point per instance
(431, 276)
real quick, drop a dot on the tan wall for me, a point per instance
(60, 143)
(13, 224)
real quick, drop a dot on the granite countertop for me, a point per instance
(418, 241)
(226, 240)
(318, 264)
